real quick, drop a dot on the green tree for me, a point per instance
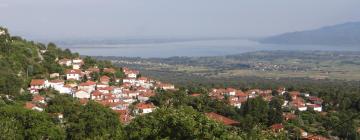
(176, 123)
(10, 129)
(256, 110)
(95, 121)
(275, 111)
(31, 124)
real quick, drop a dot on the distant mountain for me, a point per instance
(342, 34)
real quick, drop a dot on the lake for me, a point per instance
(193, 48)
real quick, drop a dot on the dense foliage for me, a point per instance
(19, 123)
(172, 123)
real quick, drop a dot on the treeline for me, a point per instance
(94, 121)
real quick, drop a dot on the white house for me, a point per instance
(73, 74)
(55, 83)
(314, 107)
(132, 81)
(106, 89)
(97, 95)
(299, 107)
(128, 100)
(132, 75)
(76, 66)
(64, 89)
(144, 108)
(236, 104)
(38, 99)
(81, 94)
(117, 90)
(88, 86)
(78, 61)
(37, 84)
(65, 62)
(145, 96)
(298, 104)
(230, 91)
(302, 108)
(130, 93)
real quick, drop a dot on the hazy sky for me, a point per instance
(58, 19)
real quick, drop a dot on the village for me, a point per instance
(120, 93)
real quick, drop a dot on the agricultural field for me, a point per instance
(267, 64)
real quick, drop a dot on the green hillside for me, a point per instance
(178, 112)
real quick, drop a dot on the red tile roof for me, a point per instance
(144, 105)
(37, 82)
(106, 88)
(147, 94)
(38, 98)
(241, 95)
(57, 81)
(143, 78)
(222, 119)
(96, 93)
(88, 83)
(73, 71)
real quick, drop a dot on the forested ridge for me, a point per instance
(178, 115)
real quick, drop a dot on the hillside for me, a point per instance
(341, 34)
(50, 93)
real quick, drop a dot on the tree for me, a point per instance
(94, 76)
(176, 123)
(10, 84)
(275, 111)
(10, 128)
(257, 110)
(30, 124)
(94, 121)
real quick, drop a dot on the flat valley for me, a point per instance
(340, 65)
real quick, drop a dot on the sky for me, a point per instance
(87, 19)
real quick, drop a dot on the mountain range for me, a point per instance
(346, 34)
